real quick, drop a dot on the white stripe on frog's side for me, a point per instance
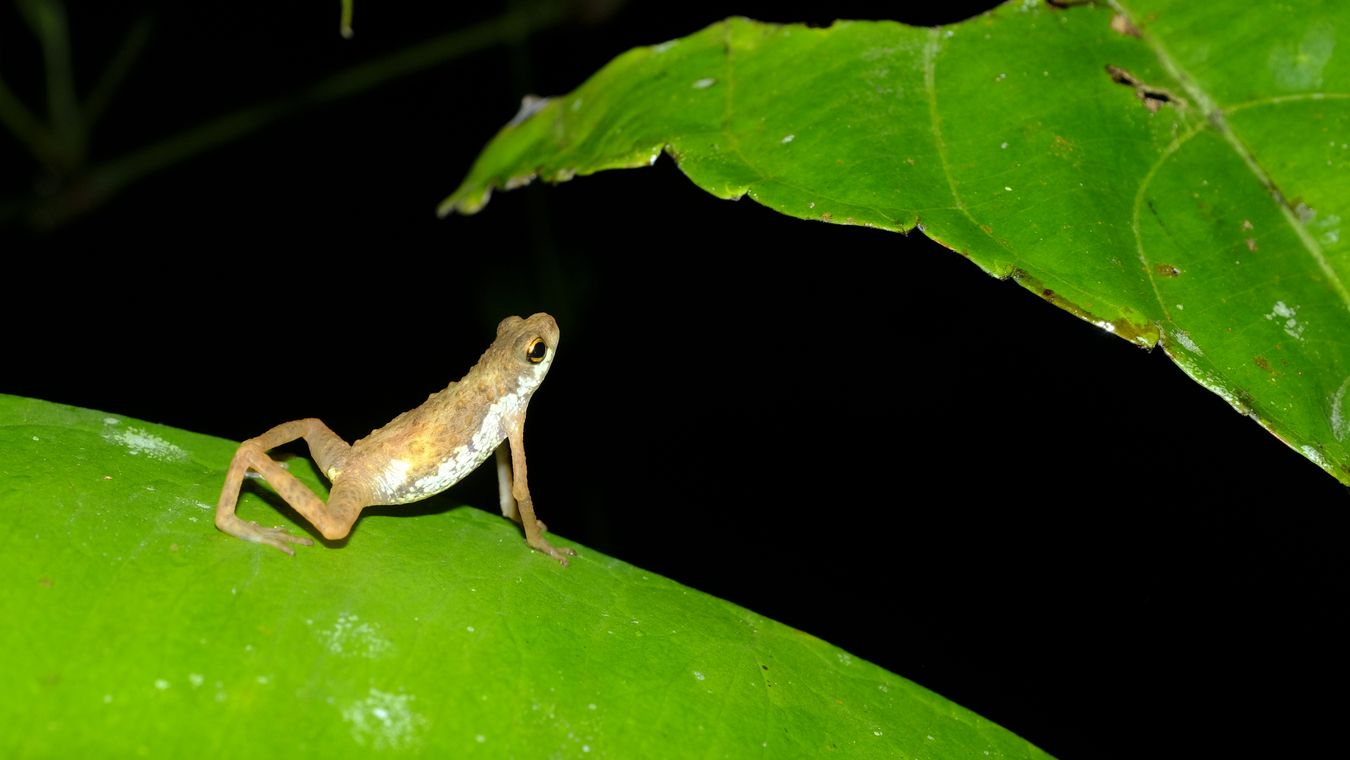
(465, 459)
(392, 477)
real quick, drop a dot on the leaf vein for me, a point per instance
(1215, 117)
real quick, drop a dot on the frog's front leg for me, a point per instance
(334, 519)
(520, 490)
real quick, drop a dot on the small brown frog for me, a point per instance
(420, 453)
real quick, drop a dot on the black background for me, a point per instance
(854, 432)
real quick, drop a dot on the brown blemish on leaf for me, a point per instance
(1122, 25)
(1062, 147)
(1246, 404)
(1121, 76)
(1247, 225)
(1153, 98)
(45, 582)
(1167, 270)
(827, 217)
(1251, 244)
(1143, 335)
(986, 229)
(1261, 362)
(1066, 4)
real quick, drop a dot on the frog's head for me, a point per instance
(526, 346)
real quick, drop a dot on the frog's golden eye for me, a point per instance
(536, 351)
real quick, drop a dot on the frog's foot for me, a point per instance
(252, 531)
(540, 545)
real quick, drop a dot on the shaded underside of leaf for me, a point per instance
(1171, 171)
(134, 627)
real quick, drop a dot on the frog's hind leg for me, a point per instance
(334, 519)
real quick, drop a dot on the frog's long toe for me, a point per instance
(276, 537)
(559, 553)
(279, 538)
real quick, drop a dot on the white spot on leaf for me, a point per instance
(705, 83)
(349, 637)
(1287, 315)
(1185, 340)
(1326, 227)
(1315, 457)
(1340, 424)
(384, 721)
(140, 442)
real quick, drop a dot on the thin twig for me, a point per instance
(116, 72)
(47, 18)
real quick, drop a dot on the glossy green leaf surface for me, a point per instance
(133, 627)
(1172, 171)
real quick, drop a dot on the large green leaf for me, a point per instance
(1172, 171)
(133, 627)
